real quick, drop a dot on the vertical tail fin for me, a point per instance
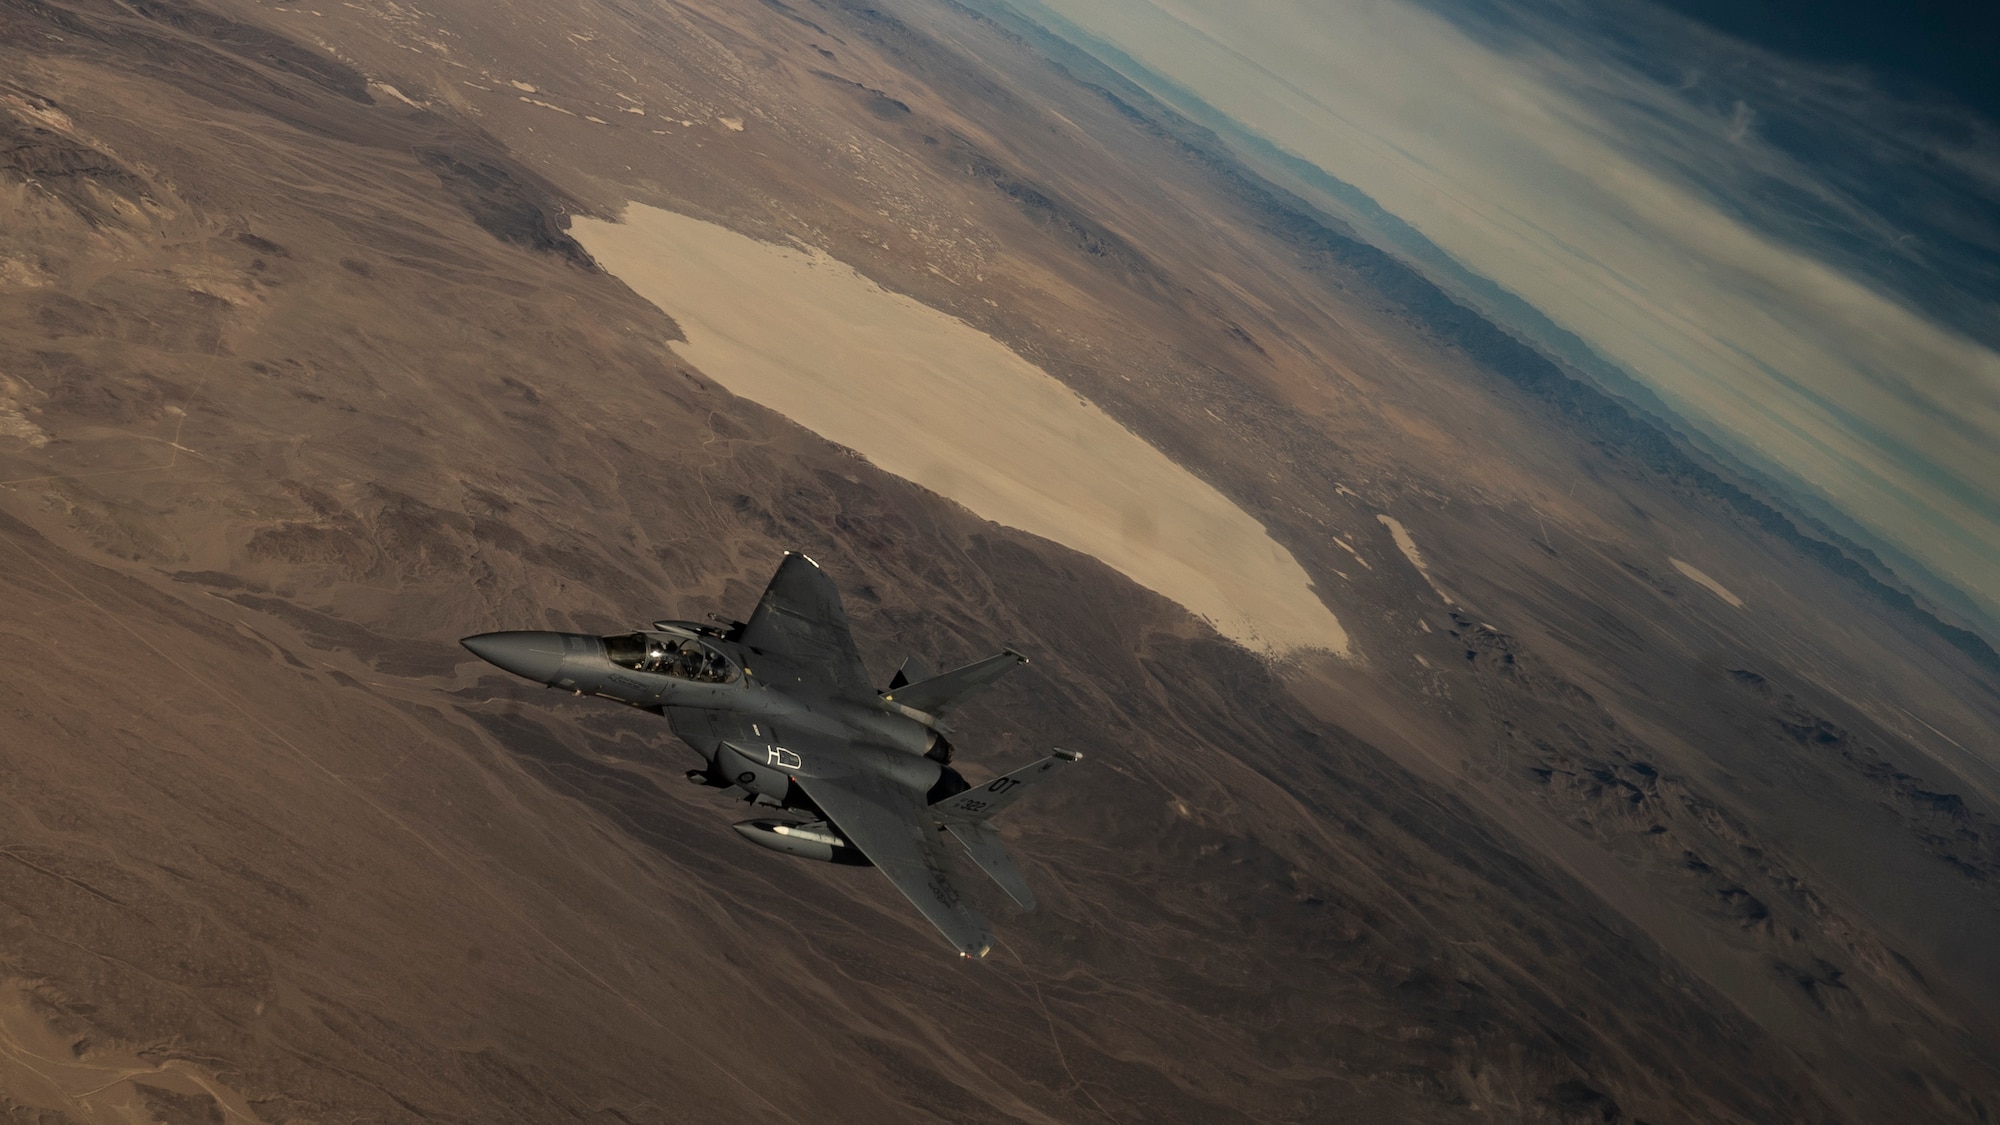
(934, 695)
(982, 801)
(965, 815)
(914, 670)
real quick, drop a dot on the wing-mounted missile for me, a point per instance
(814, 840)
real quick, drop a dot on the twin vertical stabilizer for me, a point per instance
(934, 695)
(965, 816)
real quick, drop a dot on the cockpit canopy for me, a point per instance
(683, 658)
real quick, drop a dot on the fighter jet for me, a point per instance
(781, 710)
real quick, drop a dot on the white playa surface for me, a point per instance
(1408, 546)
(928, 397)
(1714, 587)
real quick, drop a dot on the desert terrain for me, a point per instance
(303, 377)
(928, 398)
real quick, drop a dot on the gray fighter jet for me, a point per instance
(783, 712)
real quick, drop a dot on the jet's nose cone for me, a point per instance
(537, 656)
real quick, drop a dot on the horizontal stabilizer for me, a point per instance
(939, 694)
(982, 843)
(982, 801)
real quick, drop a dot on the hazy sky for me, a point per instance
(1800, 264)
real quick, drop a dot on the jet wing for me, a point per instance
(892, 827)
(983, 844)
(799, 620)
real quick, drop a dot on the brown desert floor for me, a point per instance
(301, 380)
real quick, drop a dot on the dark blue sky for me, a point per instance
(1916, 46)
(1877, 127)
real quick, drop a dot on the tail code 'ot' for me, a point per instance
(982, 801)
(965, 816)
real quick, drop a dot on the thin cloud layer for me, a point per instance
(1902, 192)
(1641, 207)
